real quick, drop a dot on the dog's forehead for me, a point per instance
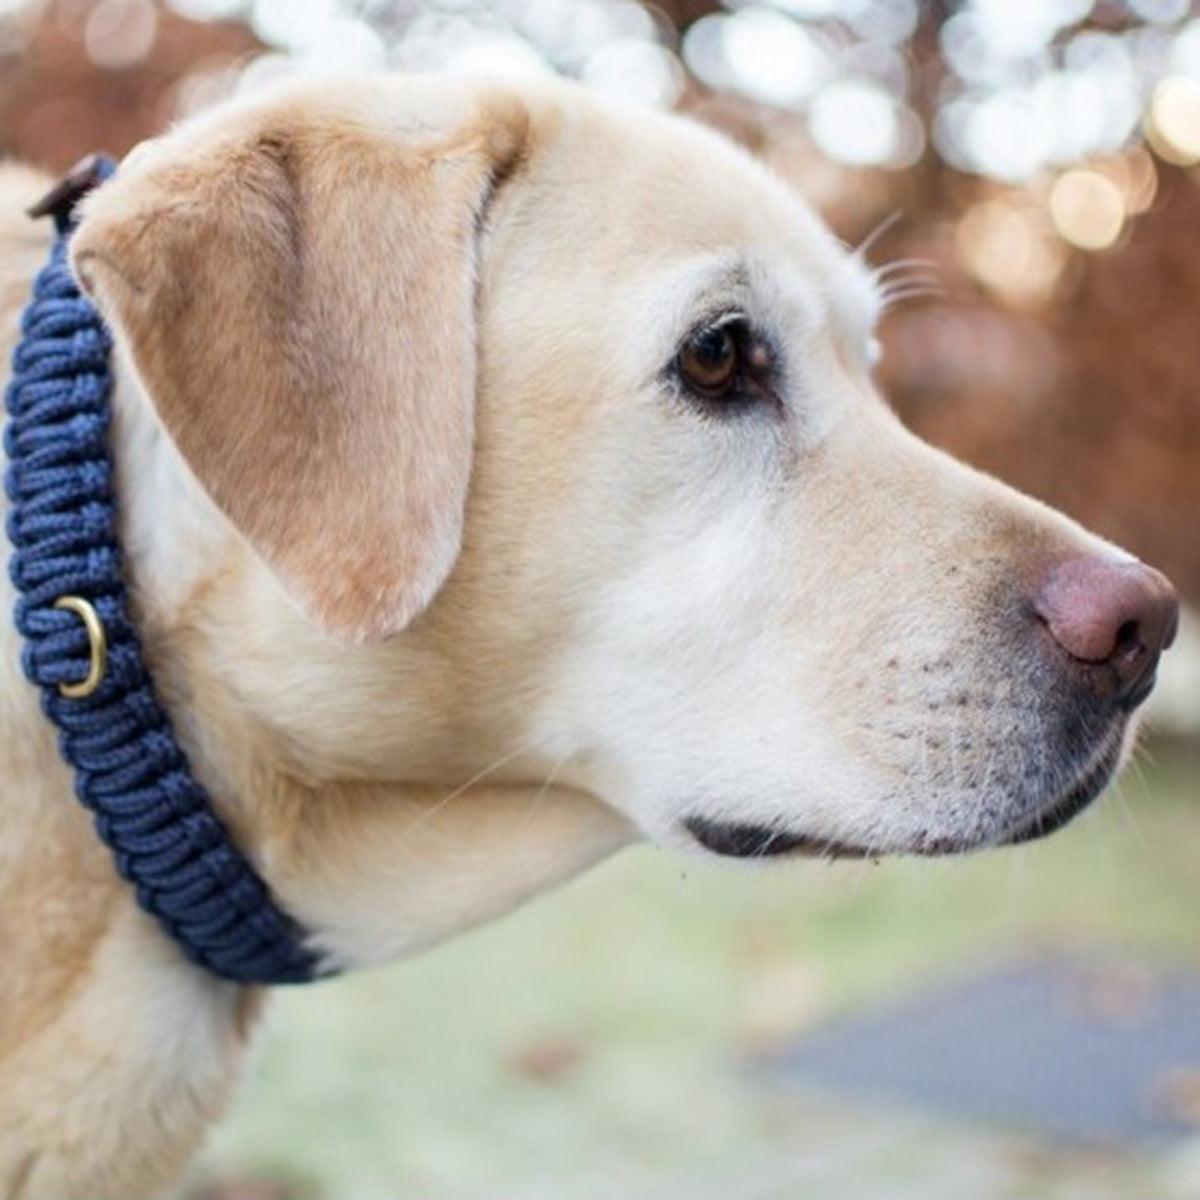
(638, 193)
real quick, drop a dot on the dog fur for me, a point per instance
(449, 590)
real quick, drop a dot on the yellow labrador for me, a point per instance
(474, 437)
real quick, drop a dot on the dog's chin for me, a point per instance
(749, 840)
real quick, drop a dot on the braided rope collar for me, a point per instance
(82, 650)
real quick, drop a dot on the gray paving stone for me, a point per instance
(1081, 1050)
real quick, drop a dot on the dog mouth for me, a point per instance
(737, 839)
(750, 840)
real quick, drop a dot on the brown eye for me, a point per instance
(708, 361)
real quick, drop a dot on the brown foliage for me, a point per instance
(56, 104)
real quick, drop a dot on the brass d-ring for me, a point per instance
(97, 642)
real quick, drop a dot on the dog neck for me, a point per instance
(339, 770)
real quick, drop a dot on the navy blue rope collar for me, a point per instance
(129, 769)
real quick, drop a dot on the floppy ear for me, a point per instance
(297, 295)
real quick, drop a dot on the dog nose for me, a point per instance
(1115, 617)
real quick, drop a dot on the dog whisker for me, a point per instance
(429, 813)
(904, 296)
(881, 227)
(914, 277)
(900, 286)
(1129, 818)
(900, 264)
(542, 792)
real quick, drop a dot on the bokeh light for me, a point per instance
(119, 33)
(1009, 247)
(1173, 124)
(1022, 90)
(760, 53)
(1135, 175)
(1088, 209)
(856, 122)
(638, 71)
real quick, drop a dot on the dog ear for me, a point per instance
(297, 295)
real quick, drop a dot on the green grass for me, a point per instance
(591, 1044)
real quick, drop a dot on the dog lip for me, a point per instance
(741, 839)
(1072, 802)
(737, 839)
(1141, 693)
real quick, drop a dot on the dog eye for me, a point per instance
(727, 366)
(709, 360)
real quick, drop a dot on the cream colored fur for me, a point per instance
(449, 593)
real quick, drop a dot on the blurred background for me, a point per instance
(1020, 1025)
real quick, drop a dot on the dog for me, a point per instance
(501, 482)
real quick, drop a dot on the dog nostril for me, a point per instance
(1133, 661)
(1128, 639)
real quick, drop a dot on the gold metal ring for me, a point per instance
(98, 643)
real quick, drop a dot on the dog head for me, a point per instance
(547, 426)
